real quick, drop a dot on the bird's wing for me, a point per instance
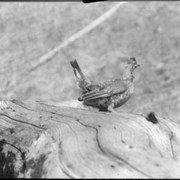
(106, 91)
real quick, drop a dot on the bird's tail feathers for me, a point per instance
(77, 70)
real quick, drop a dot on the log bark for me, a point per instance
(39, 140)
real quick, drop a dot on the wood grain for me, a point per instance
(38, 140)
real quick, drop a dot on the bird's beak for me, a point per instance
(137, 65)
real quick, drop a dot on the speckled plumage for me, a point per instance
(107, 95)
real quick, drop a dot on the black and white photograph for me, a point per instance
(90, 89)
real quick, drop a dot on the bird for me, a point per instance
(107, 95)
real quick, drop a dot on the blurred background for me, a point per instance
(149, 31)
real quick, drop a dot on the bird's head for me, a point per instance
(132, 61)
(132, 65)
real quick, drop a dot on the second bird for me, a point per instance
(109, 94)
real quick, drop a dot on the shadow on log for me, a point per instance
(38, 140)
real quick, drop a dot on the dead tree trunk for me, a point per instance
(46, 141)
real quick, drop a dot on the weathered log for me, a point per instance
(39, 140)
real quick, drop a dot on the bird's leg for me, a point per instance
(111, 108)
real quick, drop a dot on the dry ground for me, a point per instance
(150, 31)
